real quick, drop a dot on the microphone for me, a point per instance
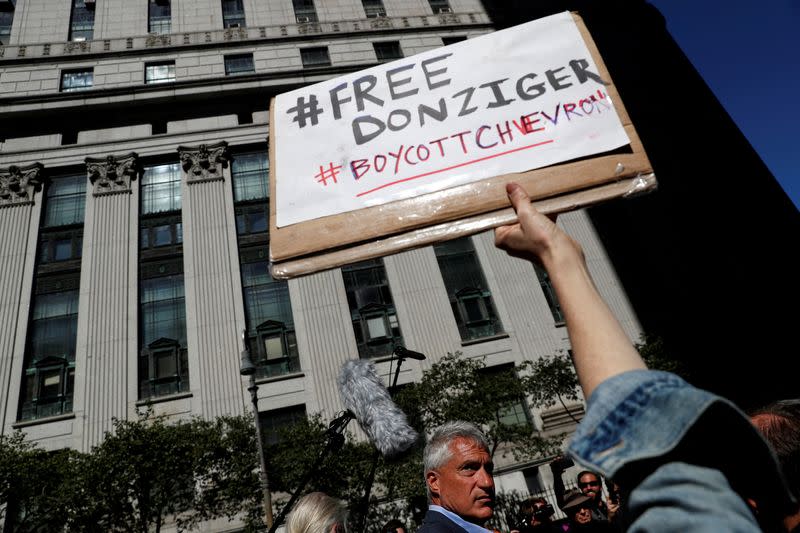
(402, 351)
(364, 394)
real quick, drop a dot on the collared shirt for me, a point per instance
(467, 526)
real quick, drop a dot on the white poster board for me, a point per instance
(515, 100)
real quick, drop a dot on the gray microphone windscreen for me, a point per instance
(364, 394)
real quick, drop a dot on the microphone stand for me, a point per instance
(399, 351)
(335, 435)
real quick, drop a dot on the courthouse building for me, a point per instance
(133, 218)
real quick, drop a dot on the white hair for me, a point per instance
(317, 512)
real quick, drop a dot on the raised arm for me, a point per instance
(600, 347)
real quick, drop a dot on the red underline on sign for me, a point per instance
(464, 164)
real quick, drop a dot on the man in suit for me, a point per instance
(458, 475)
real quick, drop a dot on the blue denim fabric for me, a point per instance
(636, 426)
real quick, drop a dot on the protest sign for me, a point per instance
(432, 138)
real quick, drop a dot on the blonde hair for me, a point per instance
(317, 512)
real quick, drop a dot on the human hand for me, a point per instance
(612, 510)
(534, 237)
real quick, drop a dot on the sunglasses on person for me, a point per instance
(589, 484)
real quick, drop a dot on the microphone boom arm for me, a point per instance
(335, 441)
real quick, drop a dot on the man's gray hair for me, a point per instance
(437, 450)
(317, 512)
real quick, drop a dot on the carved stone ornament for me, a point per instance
(112, 174)
(17, 184)
(204, 162)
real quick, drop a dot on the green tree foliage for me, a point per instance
(149, 470)
(35, 485)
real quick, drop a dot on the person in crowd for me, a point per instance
(535, 516)
(458, 476)
(686, 459)
(317, 512)
(588, 482)
(779, 422)
(579, 508)
(394, 526)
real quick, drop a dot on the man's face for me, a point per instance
(464, 484)
(590, 486)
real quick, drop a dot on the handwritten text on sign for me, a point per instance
(510, 101)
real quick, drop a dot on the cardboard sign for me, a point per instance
(432, 138)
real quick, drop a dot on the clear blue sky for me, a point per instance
(748, 51)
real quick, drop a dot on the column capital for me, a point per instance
(204, 162)
(18, 184)
(112, 174)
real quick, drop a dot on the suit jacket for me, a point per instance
(438, 523)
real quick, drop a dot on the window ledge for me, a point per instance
(274, 379)
(485, 339)
(45, 420)
(162, 399)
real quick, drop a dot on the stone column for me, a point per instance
(101, 365)
(214, 314)
(18, 186)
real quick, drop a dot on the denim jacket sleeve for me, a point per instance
(685, 458)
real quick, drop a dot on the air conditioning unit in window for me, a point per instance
(235, 25)
(89, 3)
(445, 10)
(78, 39)
(303, 20)
(377, 15)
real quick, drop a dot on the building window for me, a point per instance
(251, 177)
(550, 295)
(66, 200)
(440, 6)
(163, 357)
(163, 354)
(81, 25)
(61, 236)
(233, 14)
(453, 39)
(161, 189)
(273, 421)
(161, 232)
(60, 246)
(304, 11)
(161, 72)
(268, 309)
(470, 297)
(239, 64)
(159, 17)
(315, 57)
(388, 50)
(374, 8)
(372, 310)
(515, 412)
(77, 80)
(49, 369)
(6, 20)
